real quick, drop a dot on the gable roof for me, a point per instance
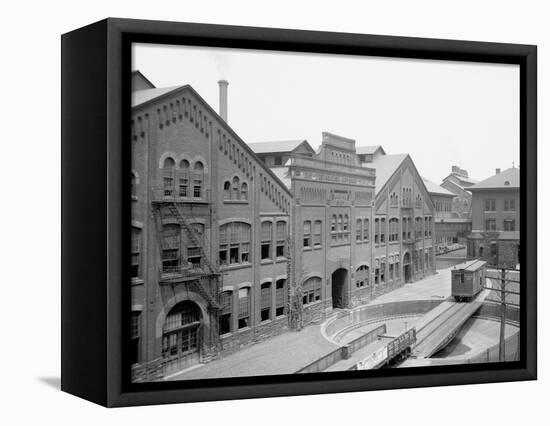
(504, 180)
(462, 180)
(370, 149)
(279, 146)
(385, 166)
(140, 97)
(434, 188)
(140, 82)
(151, 95)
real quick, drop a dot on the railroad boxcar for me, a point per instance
(467, 280)
(398, 349)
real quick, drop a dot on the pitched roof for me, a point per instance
(142, 96)
(278, 146)
(507, 179)
(385, 166)
(434, 188)
(462, 180)
(370, 149)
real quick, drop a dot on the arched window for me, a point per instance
(317, 233)
(265, 302)
(346, 223)
(307, 234)
(236, 188)
(234, 243)
(171, 247)
(168, 177)
(266, 240)
(333, 223)
(280, 235)
(244, 191)
(358, 229)
(180, 331)
(340, 227)
(226, 190)
(365, 229)
(311, 290)
(198, 178)
(226, 308)
(136, 252)
(184, 179)
(280, 297)
(362, 276)
(244, 307)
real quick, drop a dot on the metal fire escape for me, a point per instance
(204, 277)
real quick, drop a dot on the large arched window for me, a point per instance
(362, 276)
(198, 179)
(184, 179)
(180, 331)
(311, 290)
(168, 177)
(234, 243)
(171, 247)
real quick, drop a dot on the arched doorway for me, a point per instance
(181, 337)
(339, 280)
(407, 267)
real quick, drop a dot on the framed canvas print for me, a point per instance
(253, 212)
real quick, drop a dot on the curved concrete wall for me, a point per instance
(382, 310)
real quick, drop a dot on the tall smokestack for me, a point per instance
(497, 171)
(223, 98)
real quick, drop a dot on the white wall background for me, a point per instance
(30, 174)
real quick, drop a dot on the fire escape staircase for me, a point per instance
(201, 278)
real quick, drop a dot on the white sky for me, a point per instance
(442, 113)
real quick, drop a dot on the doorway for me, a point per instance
(339, 280)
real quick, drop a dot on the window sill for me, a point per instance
(134, 198)
(317, 247)
(226, 335)
(307, 248)
(235, 266)
(281, 260)
(244, 329)
(308, 305)
(137, 281)
(235, 201)
(266, 261)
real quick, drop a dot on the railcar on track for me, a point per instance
(467, 280)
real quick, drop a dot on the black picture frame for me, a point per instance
(95, 187)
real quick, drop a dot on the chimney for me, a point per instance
(223, 98)
(497, 171)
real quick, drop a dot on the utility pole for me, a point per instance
(502, 346)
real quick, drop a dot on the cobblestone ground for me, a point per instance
(287, 353)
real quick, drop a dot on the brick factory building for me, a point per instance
(230, 247)
(209, 227)
(495, 219)
(363, 225)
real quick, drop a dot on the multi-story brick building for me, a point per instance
(362, 226)
(210, 224)
(458, 182)
(496, 219)
(450, 227)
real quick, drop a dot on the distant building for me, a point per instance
(277, 153)
(495, 219)
(450, 227)
(458, 182)
(362, 225)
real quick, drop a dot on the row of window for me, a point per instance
(184, 182)
(508, 205)
(507, 225)
(243, 306)
(235, 190)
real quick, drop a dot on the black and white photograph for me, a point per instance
(298, 212)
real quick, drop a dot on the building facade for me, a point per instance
(458, 183)
(362, 226)
(496, 219)
(450, 227)
(210, 227)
